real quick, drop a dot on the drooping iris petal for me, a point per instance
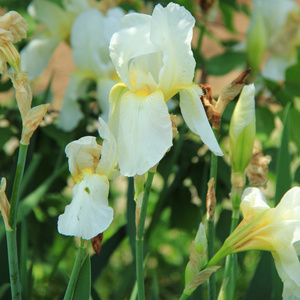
(144, 133)
(172, 31)
(108, 152)
(71, 114)
(195, 116)
(88, 214)
(83, 154)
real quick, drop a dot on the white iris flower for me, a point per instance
(58, 22)
(89, 214)
(281, 19)
(153, 57)
(90, 37)
(271, 229)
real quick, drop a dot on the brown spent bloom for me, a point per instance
(210, 199)
(31, 122)
(206, 4)
(97, 243)
(257, 169)
(23, 92)
(13, 27)
(4, 204)
(214, 109)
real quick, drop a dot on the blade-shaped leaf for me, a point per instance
(83, 285)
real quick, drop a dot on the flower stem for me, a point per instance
(11, 238)
(16, 187)
(210, 227)
(140, 238)
(229, 280)
(183, 296)
(11, 232)
(76, 268)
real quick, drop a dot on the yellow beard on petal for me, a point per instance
(84, 172)
(142, 93)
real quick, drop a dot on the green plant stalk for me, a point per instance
(17, 184)
(229, 280)
(11, 238)
(11, 233)
(212, 294)
(140, 238)
(184, 296)
(75, 271)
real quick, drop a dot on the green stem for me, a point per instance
(76, 268)
(229, 280)
(140, 238)
(16, 187)
(11, 235)
(184, 296)
(11, 238)
(212, 294)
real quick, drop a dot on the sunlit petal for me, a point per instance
(194, 115)
(253, 203)
(172, 31)
(144, 133)
(83, 153)
(132, 41)
(88, 214)
(108, 152)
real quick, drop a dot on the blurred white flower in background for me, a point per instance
(90, 37)
(58, 22)
(280, 23)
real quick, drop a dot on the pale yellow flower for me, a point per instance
(270, 229)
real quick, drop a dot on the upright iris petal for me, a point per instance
(89, 214)
(153, 57)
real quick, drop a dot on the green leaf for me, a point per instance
(283, 181)
(295, 125)
(3, 289)
(227, 14)
(261, 286)
(5, 134)
(292, 77)
(62, 138)
(264, 123)
(224, 63)
(281, 94)
(83, 285)
(130, 213)
(184, 212)
(108, 248)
